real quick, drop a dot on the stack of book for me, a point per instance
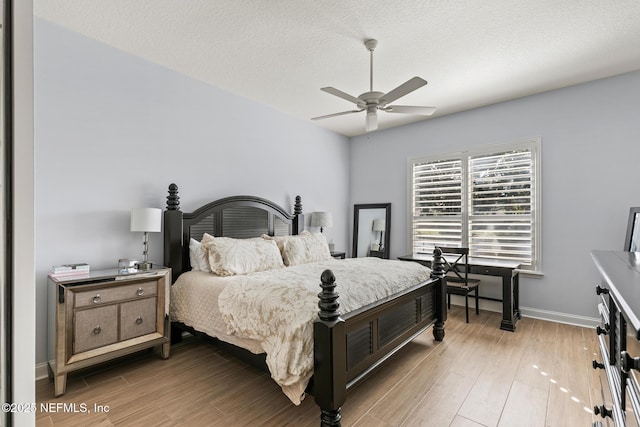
(70, 270)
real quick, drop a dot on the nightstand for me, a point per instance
(338, 255)
(379, 254)
(104, 315)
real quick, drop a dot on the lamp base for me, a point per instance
(145, 265)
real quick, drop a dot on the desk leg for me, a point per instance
(509, 301)
(516, 294)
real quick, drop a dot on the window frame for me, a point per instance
(534, 145)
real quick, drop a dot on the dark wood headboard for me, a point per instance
(239, 217)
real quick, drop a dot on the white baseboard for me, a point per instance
(535, 313)
(42, 370)
(554, 316)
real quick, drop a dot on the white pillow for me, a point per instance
(304, 248)
(228, 257)
(197, 257)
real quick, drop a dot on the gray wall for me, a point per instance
(112, 131)
(590, 158)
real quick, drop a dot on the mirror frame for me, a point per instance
(632, 237)
(356, 220)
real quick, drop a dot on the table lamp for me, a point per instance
(321, 219)
(146, 220)
(379, 225)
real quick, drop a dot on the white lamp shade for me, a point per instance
(321, 219)
(378, 225)
(146, 219)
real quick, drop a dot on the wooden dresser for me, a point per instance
(104, 315)
(619, 335)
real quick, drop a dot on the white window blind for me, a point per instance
(486, 200)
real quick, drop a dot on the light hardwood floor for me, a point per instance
(540, 375)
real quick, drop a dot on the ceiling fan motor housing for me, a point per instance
(371, 97)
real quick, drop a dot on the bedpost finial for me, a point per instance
(328, 303)
(438, 264)
(173, 201)
(297, 207)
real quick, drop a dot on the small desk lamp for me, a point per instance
(321, 219)
(147, 220)
(378, 225)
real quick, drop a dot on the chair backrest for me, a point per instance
(452, 263)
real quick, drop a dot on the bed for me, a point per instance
(366, 310)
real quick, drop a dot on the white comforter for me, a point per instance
(273, 311)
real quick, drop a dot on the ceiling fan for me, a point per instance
(373, 101)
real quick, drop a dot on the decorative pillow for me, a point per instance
(197, 257)
(228, 257)
(309, 247)
(281, 241)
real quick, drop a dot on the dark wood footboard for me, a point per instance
(347, 348)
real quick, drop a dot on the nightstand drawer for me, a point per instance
(95, 327)
(120, 293)
(137, 318)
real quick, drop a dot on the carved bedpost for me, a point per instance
(298, 221)
(438, 271)
(173, 233)
(329, 353)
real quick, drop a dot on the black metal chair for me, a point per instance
(458, 281)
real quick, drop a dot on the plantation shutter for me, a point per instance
(500, 205)
(437, 204)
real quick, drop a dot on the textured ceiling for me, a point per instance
(281, 52)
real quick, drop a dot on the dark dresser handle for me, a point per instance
(601, 290)
(138, 320)
(597, 365)
(602, 411)
(140, 292)
(97, 330)
(601, 331)
(629, 363)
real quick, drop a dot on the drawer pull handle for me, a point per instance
(597, 365)
(138, 320)
(601, 290)
(602, 411)
(601, 331)
(629, 363)
(97, 330)
(97, 299)
(140, 292)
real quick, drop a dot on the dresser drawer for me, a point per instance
(115, 294)
(95, 327)
(137, 318)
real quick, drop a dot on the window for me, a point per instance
(487, 199)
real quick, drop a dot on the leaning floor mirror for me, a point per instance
(371, 224)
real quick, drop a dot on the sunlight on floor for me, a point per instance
(562, 389)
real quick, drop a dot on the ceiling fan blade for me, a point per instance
(410, 109)
(405, 88)
(372, 121)
(343, 95)
(335, 114)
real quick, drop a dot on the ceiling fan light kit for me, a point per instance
(373, 101)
